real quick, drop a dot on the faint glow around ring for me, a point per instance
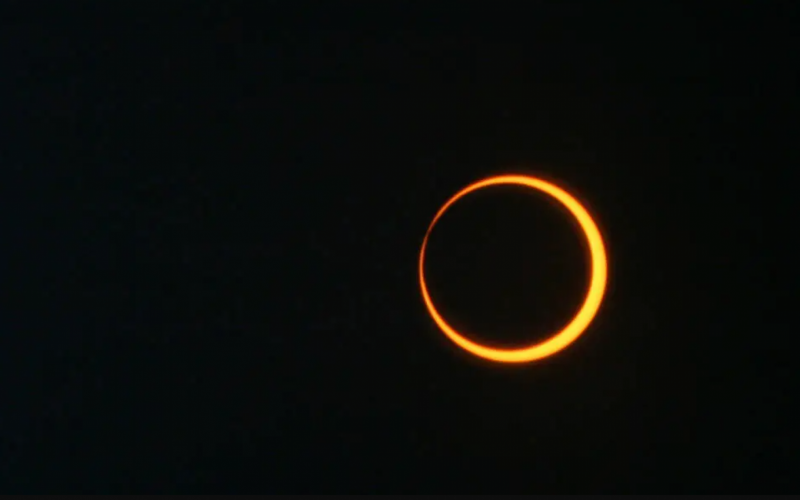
(594, 293)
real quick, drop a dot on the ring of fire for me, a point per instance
(594, 293)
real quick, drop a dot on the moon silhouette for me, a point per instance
(594, 292)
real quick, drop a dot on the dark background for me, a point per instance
(212, 214)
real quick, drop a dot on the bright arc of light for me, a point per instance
(594, 293)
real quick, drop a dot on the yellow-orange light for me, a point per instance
(594, 293)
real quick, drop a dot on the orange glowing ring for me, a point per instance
(594, 294)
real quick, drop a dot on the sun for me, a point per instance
(594, 292)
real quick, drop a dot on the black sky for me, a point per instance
(213, 217)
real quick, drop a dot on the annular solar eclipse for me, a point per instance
(594, 293)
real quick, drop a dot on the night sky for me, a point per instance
(212, 215)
